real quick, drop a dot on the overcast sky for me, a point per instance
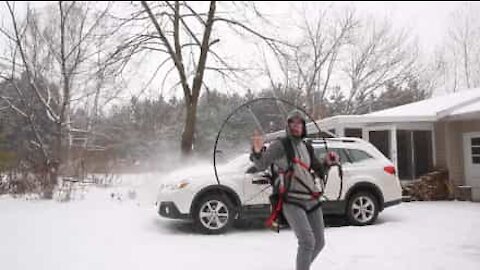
(428, 21)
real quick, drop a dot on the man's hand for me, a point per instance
(257, 142)
(332, 158)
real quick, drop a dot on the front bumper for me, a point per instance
(170, 210)
(182, 199)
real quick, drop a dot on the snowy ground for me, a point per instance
(104, 233)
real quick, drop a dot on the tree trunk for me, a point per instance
(192, 100)
(189, 130)
(465, 64)
(175, 52)
(310, 100)
(50, 179)
(53, 165)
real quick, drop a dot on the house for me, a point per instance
(440, 132)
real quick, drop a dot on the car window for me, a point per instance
(252, 169)
(320, 153)
(358, 155)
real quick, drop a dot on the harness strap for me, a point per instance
(302, 164)
(315, 207)
(284, 187)
(314, 194)
(298, 204)
(271, 222)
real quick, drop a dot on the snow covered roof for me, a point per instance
(459, 105)
(450, 106)
(434, 108)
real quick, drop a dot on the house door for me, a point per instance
(471, 147)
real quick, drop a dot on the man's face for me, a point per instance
(296, 127)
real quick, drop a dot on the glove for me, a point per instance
(332, 159)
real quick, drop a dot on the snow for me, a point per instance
(101, 232)
(472, 108)
(459, 105)
(432, 107)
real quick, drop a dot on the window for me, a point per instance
(353, 132)
(475, 150)
(423, 153)
(414, 153)
(476, 141)
(381, 140)
(358, 155)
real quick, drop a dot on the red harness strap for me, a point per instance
(273, 217)
(315, 195)
(271, 222)
(301, 163)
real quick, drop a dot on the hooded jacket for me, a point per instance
(276, 154)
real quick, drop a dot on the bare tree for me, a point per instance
(317, 55)
(60, 46)
(344, 54)
(378, 54)
(185, 36)
(461, 52)
(309, 65)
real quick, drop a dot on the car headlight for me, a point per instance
(176, 186)
(183, 184)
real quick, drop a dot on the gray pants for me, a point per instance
(309, 229)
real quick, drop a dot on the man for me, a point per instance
(298, 189)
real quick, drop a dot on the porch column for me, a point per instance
(365, 135)
(340, 131)
(393, 147)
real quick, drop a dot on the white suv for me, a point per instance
(369, 185)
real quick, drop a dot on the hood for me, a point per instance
(296, 114)
(203, 172)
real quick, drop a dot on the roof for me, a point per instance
(434, 108)
(459, 105)
(450, 106)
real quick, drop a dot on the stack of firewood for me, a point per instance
(430, 187)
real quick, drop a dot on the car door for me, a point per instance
(256, 186)
(334, 182)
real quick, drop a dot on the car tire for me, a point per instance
(362, 209)
(213, 214)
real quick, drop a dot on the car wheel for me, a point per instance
(214, 214)
(362, 209)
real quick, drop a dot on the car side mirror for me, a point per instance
(261, 181)
(252, 170)
(263, 178)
